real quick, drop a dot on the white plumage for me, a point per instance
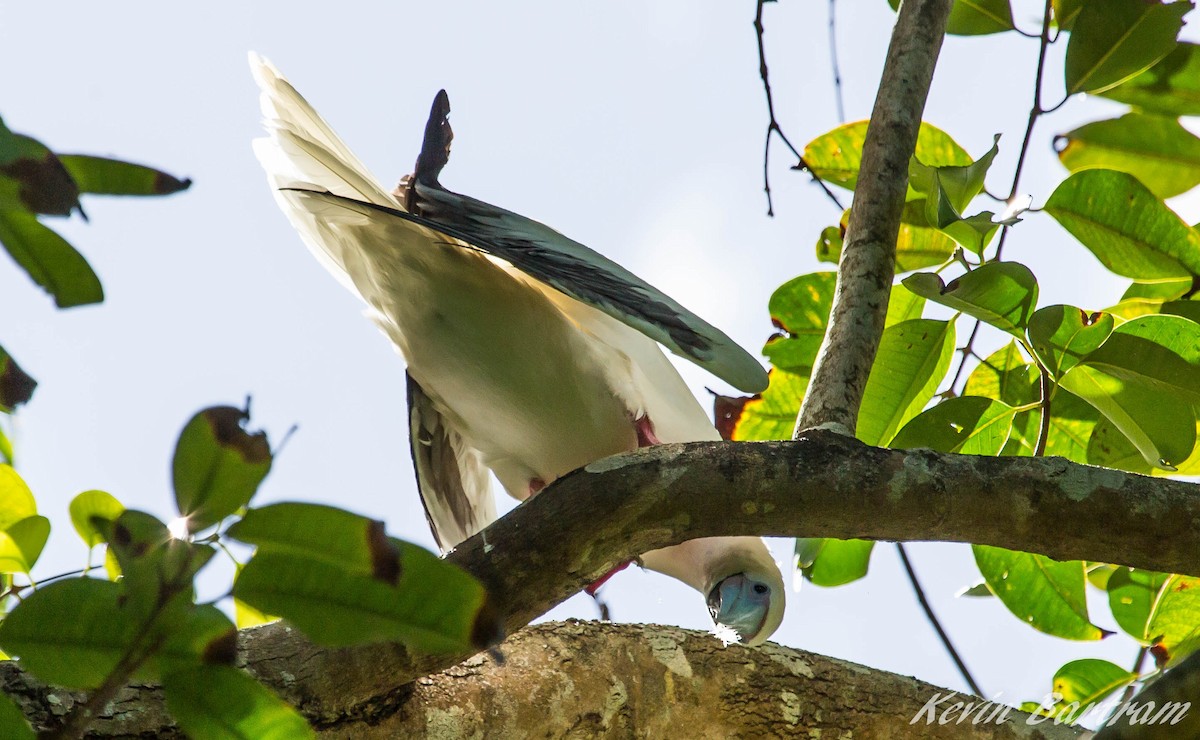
(528, 354)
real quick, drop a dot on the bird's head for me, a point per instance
(749, 602)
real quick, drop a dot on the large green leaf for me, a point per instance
(1157, 150)
(21, 544)
(975, 17)
(13, 725)
(339, 578)
(768, 415)
(969, 425)
(1006, 376)
(836, 156)
(918, 244)
(948, 189)
(16, 387)
(16, 500)
(1171, 87)
(104, 176)
(1003, 294)
(1143, 299)
(1145, 378)
(832, 562)
(1114, 40)
(800, 308)
(1048, 595)
(32, 179)
(1062, 336)
(71, 633)
(1125, 225)
(51, 262)
(1157, 609)
(1065, 12)
(913, 358)
(434, 607)
(1081, 684)
(218, 465)
(326, 533)
(224, 703)
(91, 505)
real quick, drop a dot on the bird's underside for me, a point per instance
(528, 354)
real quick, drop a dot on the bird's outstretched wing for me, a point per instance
(454, 484)
(577, 271)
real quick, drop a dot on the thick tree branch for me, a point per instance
(637, 681)
(868, 258)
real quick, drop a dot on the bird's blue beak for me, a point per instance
(740, 603)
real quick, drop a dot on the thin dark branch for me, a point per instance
(773, 127)
(833, 61)
(1131, 689)
(937, 625)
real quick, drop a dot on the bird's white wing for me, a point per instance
(579, 272)
(455, 488)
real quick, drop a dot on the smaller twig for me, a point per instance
(967, 350)
(773, 126)
(833, 60)
(937, 626)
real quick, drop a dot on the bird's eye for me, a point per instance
(760, 588)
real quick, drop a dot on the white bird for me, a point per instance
(528, 354)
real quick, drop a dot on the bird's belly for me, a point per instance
(517, 378)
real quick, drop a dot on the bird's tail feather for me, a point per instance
(302, 151)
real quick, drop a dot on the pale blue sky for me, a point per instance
(634, 127)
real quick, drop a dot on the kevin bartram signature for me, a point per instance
(950, 708)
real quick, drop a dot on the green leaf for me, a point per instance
(1158, 151)
(968, 425)
(16, 500)
(836, 156)
(1098, 574)
(218, 465)
(89, 505)
(202, 635)
(21, 544)
(768, 415)
(1170, 88)
(51, 262)
(800, 309)
(1157, 609)
(1071, 423)
(949, 189)
(1065, 12)
(1133, 596)
(1186, 309)
(979, 17)
(829, 244)
(1003, 294)
(839, 562)
(153, 563)
(903, 305)
(1142, 299)
(71, 633)
(13, 724)
(16, 387)
(1004, 376)
(435, 607)
(1045, 594)
(1145, 378)
(224, 703)
(1084, 683)
(1062, 336)
(325, 533)
(6, 449)
(913, 358)
(35, 176)
(1114, 40)
(918, 244)
(104, 176)
(808, 549)
(1126, 226)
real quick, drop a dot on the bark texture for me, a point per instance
(582, 680)
(868, 258)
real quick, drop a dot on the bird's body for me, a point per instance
(510, 370)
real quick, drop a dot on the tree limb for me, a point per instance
(867, 264)
(637, 681)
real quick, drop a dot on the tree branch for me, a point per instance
(868, 258)
(637, 681)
